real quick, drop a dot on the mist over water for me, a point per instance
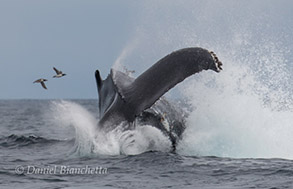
(247, 109)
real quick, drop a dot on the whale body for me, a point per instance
(139, 101)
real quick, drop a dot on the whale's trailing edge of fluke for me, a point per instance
(123, 98)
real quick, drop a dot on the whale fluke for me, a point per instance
(123, 98)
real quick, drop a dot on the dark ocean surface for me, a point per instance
(41, 147)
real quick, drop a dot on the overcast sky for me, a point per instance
(80, 36)
(75, 36)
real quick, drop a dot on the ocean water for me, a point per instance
(51, 144)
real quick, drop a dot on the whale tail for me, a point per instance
(127, 97)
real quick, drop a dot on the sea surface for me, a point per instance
(42, 148)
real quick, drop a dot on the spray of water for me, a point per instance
(127, 50)
(90, 140)
(245, 111)
(239, 113)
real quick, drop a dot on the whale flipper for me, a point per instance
(126, 97)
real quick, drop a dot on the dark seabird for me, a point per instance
(58, 73)
(42, 81)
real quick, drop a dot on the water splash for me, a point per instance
(69, 114)
(245, 111)
(119, 63)
(90, 140)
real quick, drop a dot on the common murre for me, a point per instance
(58, 73)
(42, 81)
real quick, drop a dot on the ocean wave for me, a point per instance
(13, 140)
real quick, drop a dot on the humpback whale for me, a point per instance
(139, 101)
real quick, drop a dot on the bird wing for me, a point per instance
(43, 85)
(57, 71)
(37, 81)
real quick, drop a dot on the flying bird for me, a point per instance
(42, 81)
(58, 73)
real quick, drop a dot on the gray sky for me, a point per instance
(80, 36)
(74, 36)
